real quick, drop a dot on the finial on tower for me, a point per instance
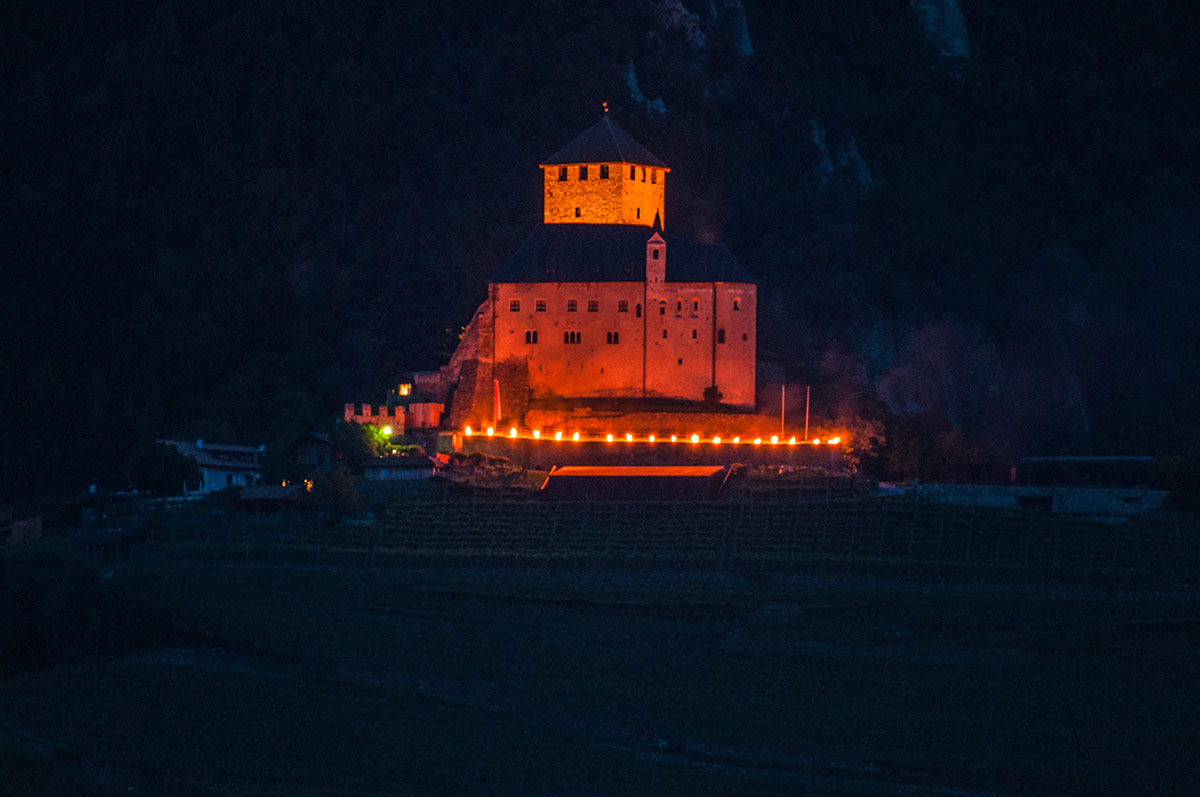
(605, 104)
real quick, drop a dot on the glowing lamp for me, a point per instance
(575, 437)
(737, 439)
(558, 435)
(716, 441)
(673, 438)
(758, 441)
(467, 431)
(833, 441)
(650, 438)
(490, 431)
(816, 441)
(628, 437)
(774, 439)
(695, 438)
(608, 438)
(792, 442)
(537, 434)
(512, 431)
(387, 430)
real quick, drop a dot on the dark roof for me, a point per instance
(604, 142)
(614, 253)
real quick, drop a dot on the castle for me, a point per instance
(600, 304)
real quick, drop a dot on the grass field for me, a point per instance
(366, 667)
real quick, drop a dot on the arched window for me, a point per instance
(531, 336)
(571, 337)
(612, 337)
(662, 308)
(737, 303)
(695, 305)
(679, 305)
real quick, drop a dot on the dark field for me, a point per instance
(361, 661)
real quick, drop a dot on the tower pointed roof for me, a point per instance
(604, 142)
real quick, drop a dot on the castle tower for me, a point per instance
(604, 177)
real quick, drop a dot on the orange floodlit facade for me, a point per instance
(696, 438)
(601, 302)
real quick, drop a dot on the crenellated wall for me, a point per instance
(615, 199)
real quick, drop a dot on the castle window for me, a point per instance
(514, 305)
(571, 337)
(654, 254)
(572, 306)
(577, 213)
(695, 305)
(643, 174)
(623, 306)
(604, 171)
(737, 303)
(654, 175)
(639, 213)
(679, 305)
(720, 336)
(745, 337)
(593, 306)
(612, 337)
(562, 173)
(694, 335)
(632, 172)
(637, 311)
(531, 336)
(582, 172)
(540, 305)
(664, 334)
(680, 361)
(662, 308)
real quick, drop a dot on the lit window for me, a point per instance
(720, 336)
(632, 172)
(572, 306)
(612, 337)
(654, 254)
(531, 336)
(514, 305)
(737, 303)
(570, 337)
(593, 306)
(604, 171)
(582, 172)
(540, 305)
(562, 173)
(623, 306)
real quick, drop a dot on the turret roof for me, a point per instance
(604, 142)
(614, 253)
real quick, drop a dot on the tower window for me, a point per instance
(664, 334)
(720, 336)
(562, 173)
(643, 174)
(639, 213)
(577, 213)
(745, 337)
(737, 303)
(612, 337)
(679, 305)
(680, 361)
(637, 310)
(695, 305)
(623, 306)
(654, 254)
(582, 172)
(593, 305)
(572, 306)
(604, 171)
(514, 305)
(531, 336)
(540, 305)
(571, 336)
(662, 308)
(694, 335)
(654, 175)
(632, 172)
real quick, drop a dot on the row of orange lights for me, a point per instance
(576, 437)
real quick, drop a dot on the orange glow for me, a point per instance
(695, 438)
(650, 438)
(512, 432)
(608, 438)
(558, 435)
(575, 437)
(716, 441)
(792, 442)
(816, 441)
(628, 437)
(467, 431)
(537, 434)
(490, 431)
(833, 441)
(673, 438)
(737, 439)
(774, 439)
(758, 441)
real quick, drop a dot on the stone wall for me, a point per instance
(617, 199)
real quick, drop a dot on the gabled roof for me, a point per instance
(604, 142)
(614, 253)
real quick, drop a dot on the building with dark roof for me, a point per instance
(601, 302)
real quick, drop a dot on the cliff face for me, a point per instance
(944, 27)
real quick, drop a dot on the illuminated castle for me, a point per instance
(601, 303)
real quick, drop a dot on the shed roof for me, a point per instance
(604, 142)
(614, 253)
